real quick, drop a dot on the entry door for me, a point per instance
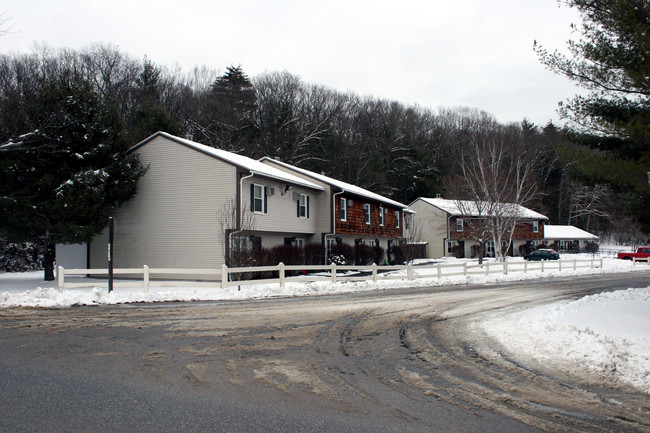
(461, 250)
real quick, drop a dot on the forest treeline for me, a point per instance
(401, 151)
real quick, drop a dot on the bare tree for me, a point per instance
(235, 227)
(498, 178)
(587, 202)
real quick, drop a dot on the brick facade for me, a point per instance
(356, 223)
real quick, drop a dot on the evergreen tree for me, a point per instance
(68, 170)
(612, 62)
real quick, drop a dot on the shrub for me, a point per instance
(289, 255)
(363, 255)
(592, 247)
(378, 254)
(344, 250)
(396, 255)
(314, 254)
(19, 257)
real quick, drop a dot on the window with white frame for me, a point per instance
(451, 247)
(407, 221)
(258, 198)
(343, 209)
(460, 224)
(298, 242)
(381, 216)
(397, 219)
(303, 206)
(367, 213)
(535, 226)
(489, 249)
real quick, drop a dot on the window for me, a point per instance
(397, 219)
(258, 198)
(407, 222)
(460, 224)
(343, 209)
(298, 242)
(535, 226)
(489, 249)
(366, 212)
(303, 206)
(381, 216)
(451, 247)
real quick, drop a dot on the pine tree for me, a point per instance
(67, 171)
(612, 61)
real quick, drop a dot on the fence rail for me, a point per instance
(225, 277)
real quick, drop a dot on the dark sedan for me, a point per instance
(542, 254)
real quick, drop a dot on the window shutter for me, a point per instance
(298, 208)
(264, 198)
(307, 206)
(252, 197)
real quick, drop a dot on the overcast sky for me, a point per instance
(475, 53)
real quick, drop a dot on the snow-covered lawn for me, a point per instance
(608, 333)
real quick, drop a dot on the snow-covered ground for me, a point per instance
(608, 333)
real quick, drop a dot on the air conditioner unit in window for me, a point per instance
(270, 190)
(296, 196)
(349, 203)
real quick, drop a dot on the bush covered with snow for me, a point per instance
(19, 257)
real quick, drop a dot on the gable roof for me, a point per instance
(343, 186)
(253, 166)
(566, 233)
(452, 208)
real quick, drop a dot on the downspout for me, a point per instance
(333, 221)
(241, 212)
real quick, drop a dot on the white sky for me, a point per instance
(475, 53)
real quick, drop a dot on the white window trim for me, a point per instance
(460, 224)
(303, 205)
(535, 226)
(367, 213)
(397, 219)
(343, 208)
(382, 216)
(261, 199)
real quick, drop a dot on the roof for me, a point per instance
(470, 208)
(253, 166)
(344, 186)
(566, 233)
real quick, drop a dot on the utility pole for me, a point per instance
(111, 237)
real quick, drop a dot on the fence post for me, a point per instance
(464, 269)
(592, 262)
(601, 262)
(525, 266)
(409, 271)
(374, 272)
(439, 271)
(487, 268)
(505, 268)
(575, 262)
(542, 262)
(224, 276)
(559, 265)
(61, 279)
(333, 270)
(145, 277)
(281, 273)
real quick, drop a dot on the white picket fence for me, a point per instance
(224, 277)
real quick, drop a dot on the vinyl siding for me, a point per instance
(433, 226)
(281, 208)
(172, 220)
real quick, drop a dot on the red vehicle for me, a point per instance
(642, 253)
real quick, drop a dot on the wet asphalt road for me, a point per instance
(390, 361)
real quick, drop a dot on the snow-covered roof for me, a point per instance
(344, 186)
(469, 208)
(253, 166)
(566, 233)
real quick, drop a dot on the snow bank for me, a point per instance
(607, 333)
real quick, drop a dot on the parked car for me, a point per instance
(642, 253)
(542, 254)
